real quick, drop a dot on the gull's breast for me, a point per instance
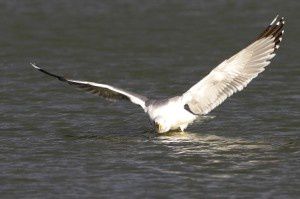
(172, 111)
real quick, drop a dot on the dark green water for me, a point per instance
(57, 142)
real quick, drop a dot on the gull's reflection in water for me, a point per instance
(214, 156)
(187, 143)
(222, 153)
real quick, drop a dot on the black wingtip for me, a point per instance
(48, 73)
(275, 29)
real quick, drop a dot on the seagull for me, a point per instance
(230, 76)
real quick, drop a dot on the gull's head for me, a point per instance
(161, 125)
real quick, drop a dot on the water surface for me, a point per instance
(56, 141)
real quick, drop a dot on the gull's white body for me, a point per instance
(230, 76)
(170, 114)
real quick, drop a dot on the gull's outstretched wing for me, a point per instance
(235, 73)
(108, 92)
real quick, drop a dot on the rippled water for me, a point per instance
(57, 142)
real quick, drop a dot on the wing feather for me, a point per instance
(106, 91)
(235, 73)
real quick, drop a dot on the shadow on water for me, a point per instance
(202, 157)
(179, 142)
(147, 132)
(203, 150)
